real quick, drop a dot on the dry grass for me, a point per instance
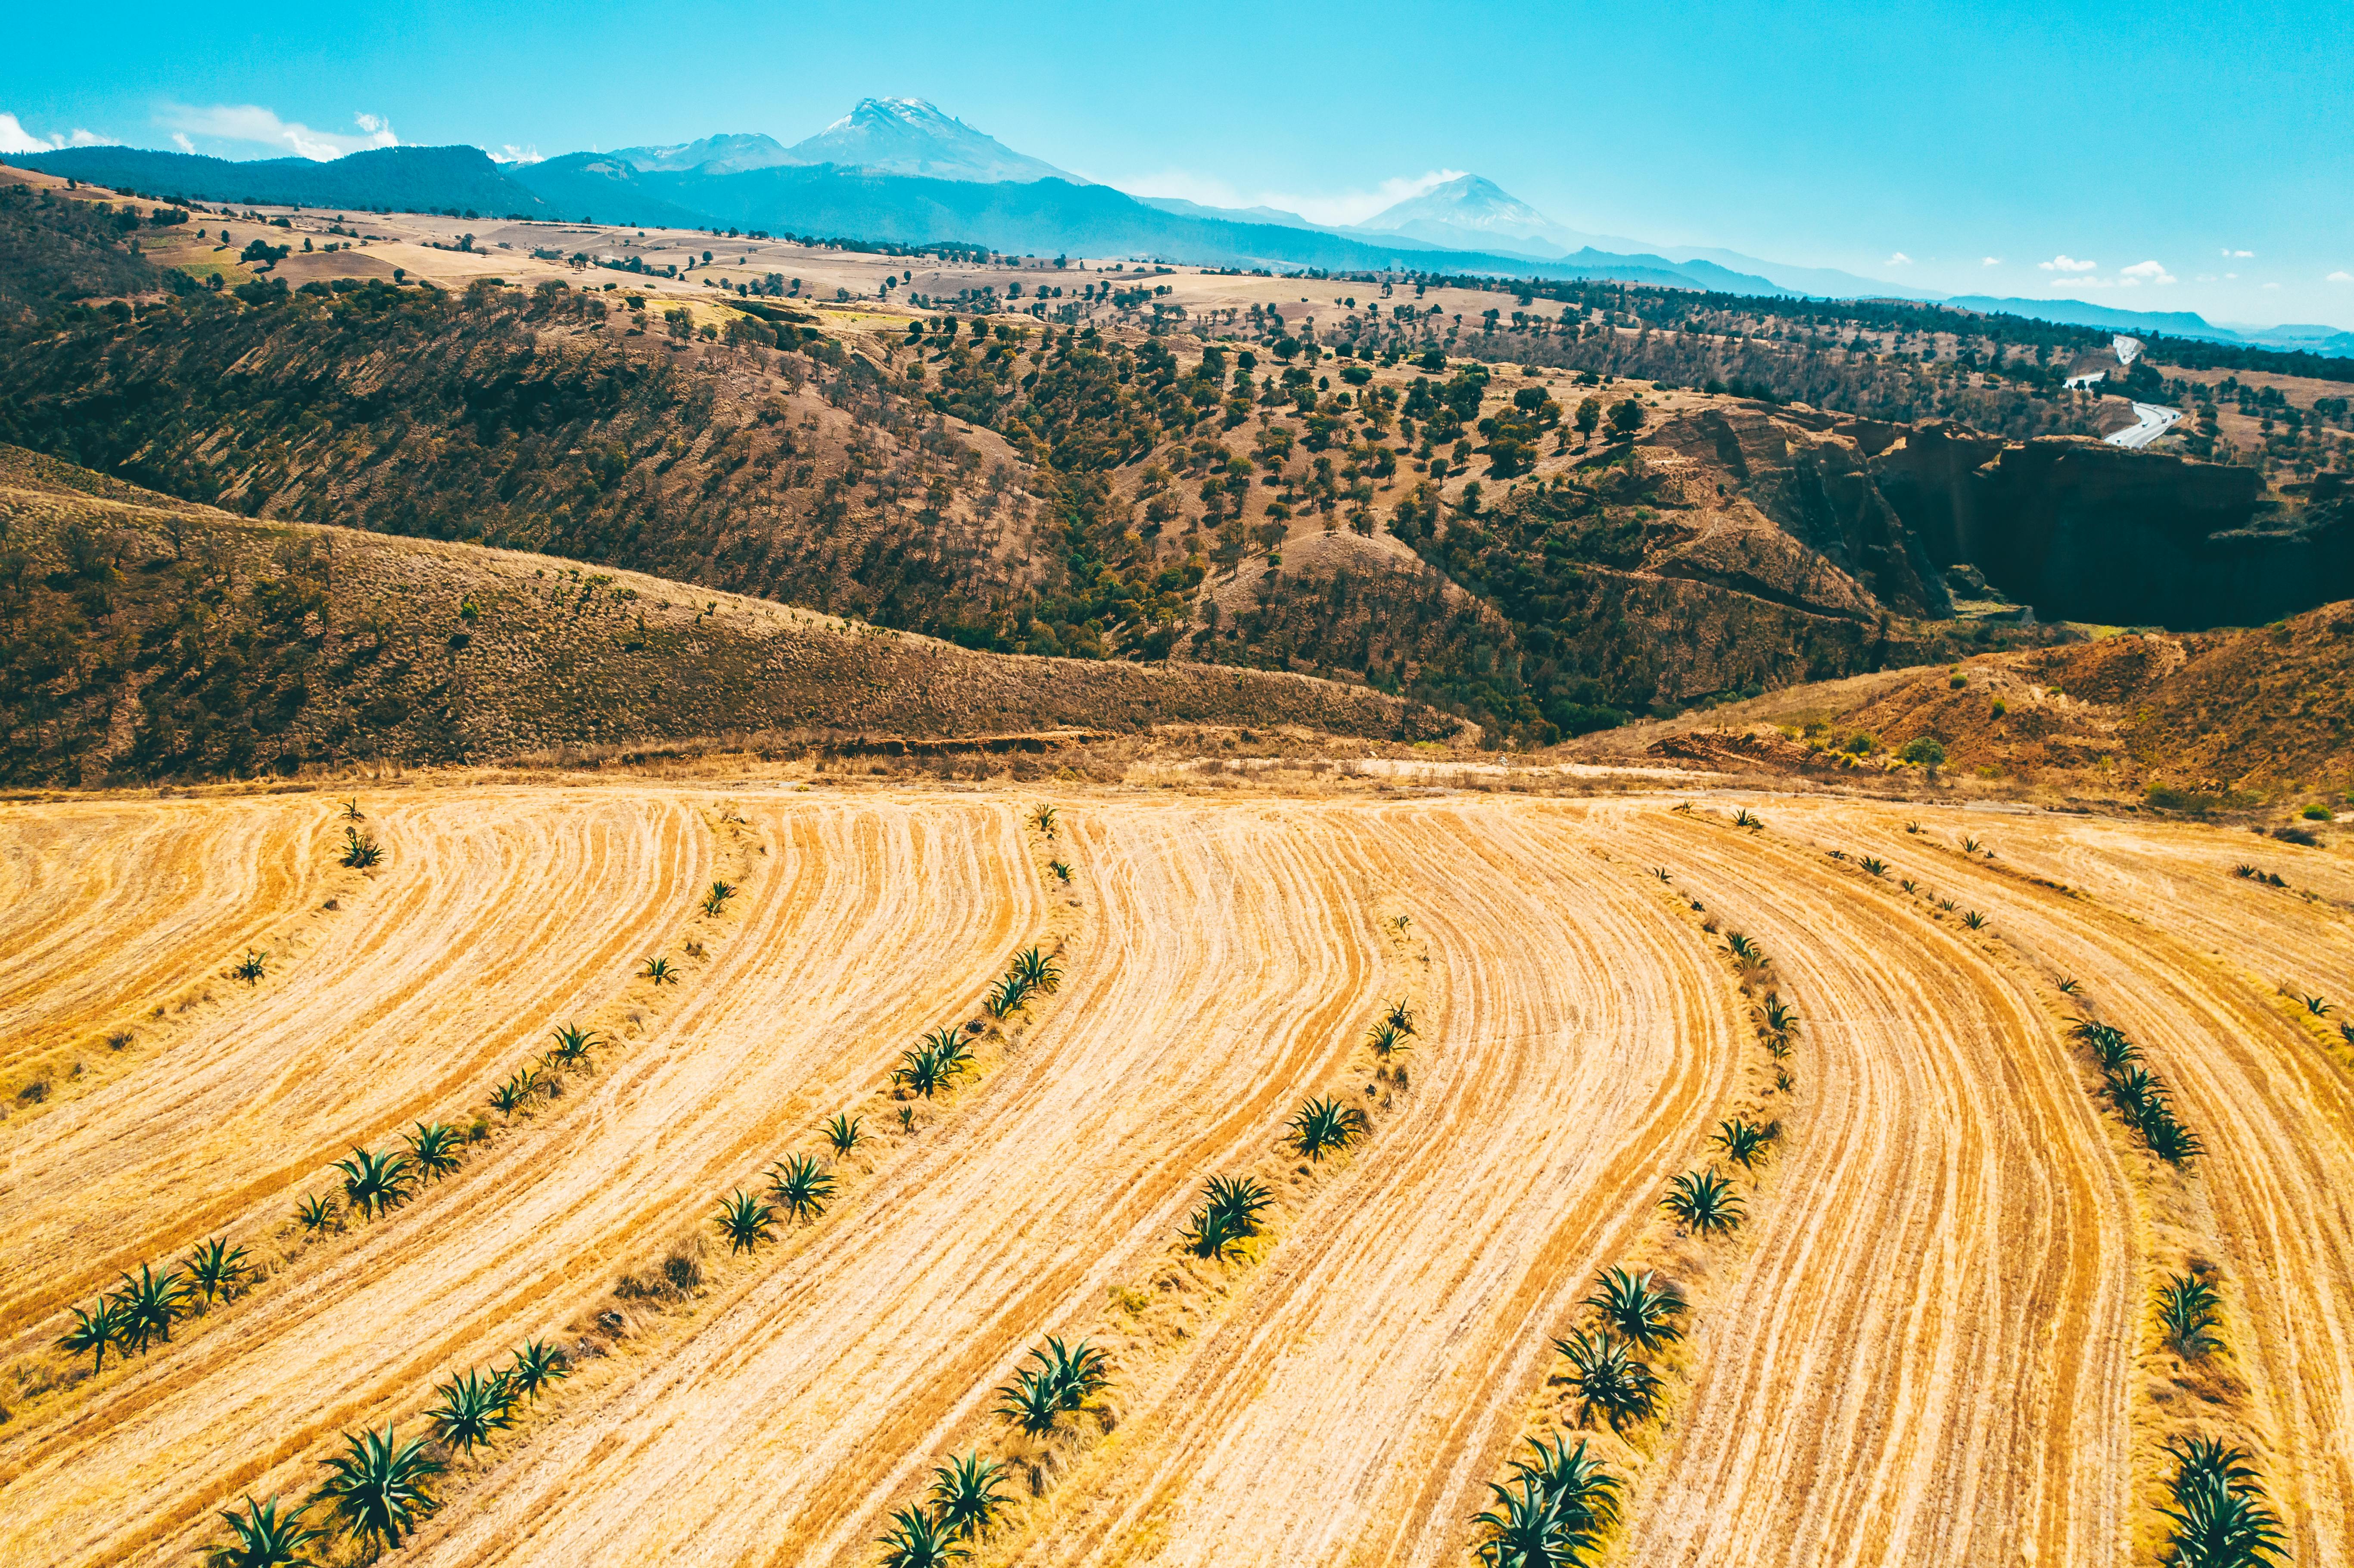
(1934, 1327)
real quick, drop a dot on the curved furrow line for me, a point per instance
(106, 909)
(500, 912)
(873, 921)
(2276, 1115)
(1928, 1338)
(782, 1429)
(1575, 1042)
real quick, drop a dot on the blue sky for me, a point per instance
(2197, 157)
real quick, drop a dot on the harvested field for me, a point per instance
(1931, 1339)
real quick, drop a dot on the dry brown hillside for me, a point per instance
(2261, 714)
(144, 638)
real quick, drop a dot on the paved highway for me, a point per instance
(2154, 421)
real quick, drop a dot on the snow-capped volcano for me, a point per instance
(1469, 211)
(909, 136)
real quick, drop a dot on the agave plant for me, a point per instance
(920, 1069)
(374, 1184)
(1526, 1529)
(2071, 986)
(105, 1324)
(215, 1267)
(2315, 1006)
(1974, 920)
(745, 1221)
(1574, 1481)
(2171, 1141)
(1036, 970)
(1075, 1372)
(1780, 1017)
(801, 1186)
(377, 1488)
(1045, 820)
(1908, 885)
(472, 1409)
(1744, 1143)
(1385, 1040)
(660, 971)
(2219, 1516)
(2108, 1043)
(361, 850)
(265, 1537)
(965, 1499)
(1970, 846)
(1209, 1233)
(1947, 904)
(843, 1134)
(1911, 827)
(150, 1304)
(535, 1365)
(1839, 855)
(1061, 868)
(1400, 1017)
(1874, 864)
(1609, 1378)
(2244, 870)
(917, 1541)
(1661, 872)
(716, 899)
(572, 1045)
(511, 1094)
(1745, 952)
(1642, 1313)
(1031, 1403)
(2187, 1308)
(1326, 1124)
(252, 967)
(315, 1213)
(1745, 818)
(434, 1147)
(352, 810)
(1703, 1203)
(1006, 997)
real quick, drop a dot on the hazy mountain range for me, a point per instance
(902, 170)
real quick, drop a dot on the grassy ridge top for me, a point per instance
(142, 637)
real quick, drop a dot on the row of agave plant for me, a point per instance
(1559, 1503)
(2139, 1096)
(378, 1488)
(141, 1310)
(1053, 1381)
(964, 1502)
(800, 1186)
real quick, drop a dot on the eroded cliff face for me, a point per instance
(2084, 531)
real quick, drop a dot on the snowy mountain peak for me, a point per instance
(1470, 210)
(910, 137)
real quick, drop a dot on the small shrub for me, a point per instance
(1923, 751)
(2315, 813)
(2000, 707)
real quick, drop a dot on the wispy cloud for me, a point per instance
(2065, 263)
(252, 125)
(1989, 260)
(2341, 276)
(1317, 206)
(2144, 272)
(511, 153)
(1897, 258)
(15, 138)
(2229, 254)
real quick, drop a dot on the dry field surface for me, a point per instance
(1931, 1342)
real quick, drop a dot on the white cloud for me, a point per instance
(1991, 261)
(2272, 285)
(1898, 259)
(1327, 206)
(2064, 263)
(15, 138)
(180, 140)
(249, 123)
(2341, 276)
(511, 153)
(2229, 254)
(2144, 272)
